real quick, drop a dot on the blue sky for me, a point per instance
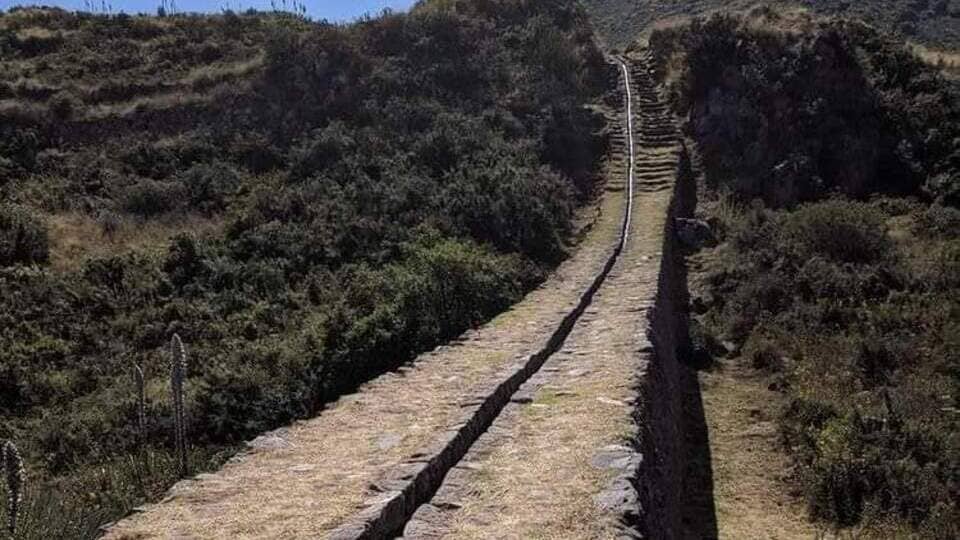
(334, 10)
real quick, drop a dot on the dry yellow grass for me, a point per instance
(156, 102)
(76, 237)
(947, 61)
(751, 497)
(222, 72)
(39, 33)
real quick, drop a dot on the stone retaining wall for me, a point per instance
(659, 412)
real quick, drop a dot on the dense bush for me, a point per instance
(930, 22)
(792, 116)
(840, 231)
(857, 328)
(18, 152)
(23, 238)
(148, 198)
(209, 188)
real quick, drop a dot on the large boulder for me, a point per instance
(694, 233)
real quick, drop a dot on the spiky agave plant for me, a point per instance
(15, 478)
(178, 373)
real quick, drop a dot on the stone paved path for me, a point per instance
(545, 467)
(306, 480)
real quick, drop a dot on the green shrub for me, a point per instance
(148, 198)
(837, 231)
(440, 289)
(64, 105)
(23, 237)
(151, 161)
(856, 320)
(186, 261)
(945, 188)
(511, 205)
(323, 149)
(846, 232)
(209, 188)
(256, 152)
(18, 148)
(877, 359)
(850, 468)
(939, 221)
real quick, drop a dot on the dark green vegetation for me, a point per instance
(931, 22)
(832, 166)
(307, 205)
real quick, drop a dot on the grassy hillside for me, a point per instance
(933, 23)
(831, 162)
(307, 205)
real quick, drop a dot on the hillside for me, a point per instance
(933, 23)
(306, 205)
(435, 253)
(829, 155)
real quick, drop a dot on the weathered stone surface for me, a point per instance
(270, 441)
(388, 441)
(613, 457)
(618, 499)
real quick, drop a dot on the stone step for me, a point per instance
(657, 145)
(661, 137)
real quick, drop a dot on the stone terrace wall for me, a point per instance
(659, 411)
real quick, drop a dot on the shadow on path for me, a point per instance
(698, 510)
(698, 514)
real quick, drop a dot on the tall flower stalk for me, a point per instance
(178, 373)
(15, 478)
(140, 382)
